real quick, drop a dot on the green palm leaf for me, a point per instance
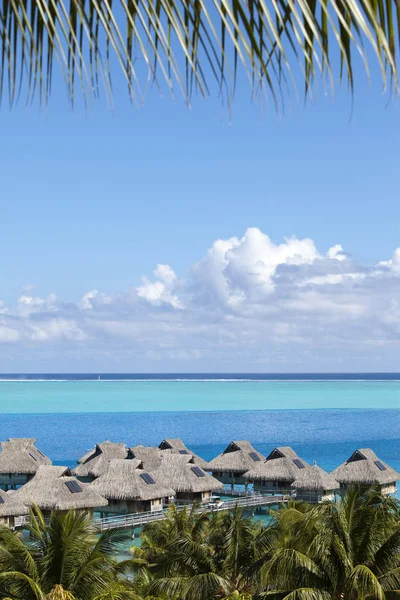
(62, 561)
(190, 45)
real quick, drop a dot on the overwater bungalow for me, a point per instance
(176, 446)
(150, 456)
(277, 472)
(237, 459)
(19, 461)
(366, 469)
(55, 489)
(9, 509)
(190, 482)
(314, 485)
(131, 490)
(96, 461)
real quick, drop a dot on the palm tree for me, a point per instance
(189, 45)
(63, 560)
(347, 550)
(195, 556)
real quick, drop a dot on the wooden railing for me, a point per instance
(139, 519)
(237, 493)
(20, 522)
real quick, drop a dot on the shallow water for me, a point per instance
(154, 396)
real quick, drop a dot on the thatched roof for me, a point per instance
(150, 456)
(96, 462)
(20, 455)
(316, 479)
(54, 488)
(184, 475)
(282, 465)
(365, 468)
(239, 457)
(176, 446)
(9, 507)
(123, 481)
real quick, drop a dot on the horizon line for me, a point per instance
(200, 373)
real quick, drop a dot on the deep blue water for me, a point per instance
(329, 436)
(323, 416)
(203, 376)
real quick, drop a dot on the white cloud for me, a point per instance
(160, 292)
(394, 262)
(236, 271)
(30, 304)
(7, 334)
(336, 252)
(87, 299)
(249, 301)
(56, 329)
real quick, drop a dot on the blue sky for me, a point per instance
(96, 201)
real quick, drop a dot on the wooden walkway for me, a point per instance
(139, 519)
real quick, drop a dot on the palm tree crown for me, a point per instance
(63, 560)
(349, 550)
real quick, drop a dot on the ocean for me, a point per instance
(323, 416)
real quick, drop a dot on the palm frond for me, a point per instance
(190, 45)
(24, 585)
(363, 581)
(308, 594)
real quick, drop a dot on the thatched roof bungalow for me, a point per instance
(366, 469)
(150, 456)
(190, 482)
(176, 446)
(277, 473)
(230, 466)
(19, 461)
(314, 485)
(130, 490)
(55, 489)
(9, 509)
(96, 461)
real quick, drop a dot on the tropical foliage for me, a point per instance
(189, 45)
(344, 551)
(62, 560)
(192, 555)
(348, 550)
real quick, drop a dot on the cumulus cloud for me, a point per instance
(336, 252)
(249, 303)
(161, 291)
(393, 263)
